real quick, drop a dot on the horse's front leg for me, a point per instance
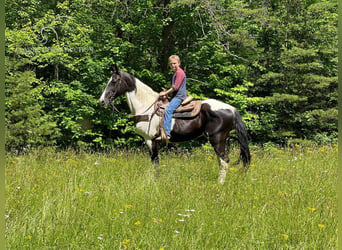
(153, 148)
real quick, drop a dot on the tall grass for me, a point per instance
(69, 200)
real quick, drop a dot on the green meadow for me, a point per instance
(115, 200)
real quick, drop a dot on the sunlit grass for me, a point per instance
(70, 200)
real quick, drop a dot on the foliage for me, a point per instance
(275, 61)
(294, 81)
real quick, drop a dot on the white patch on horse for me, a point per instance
(217, 105)
(223, 171)
(141, 98)
(173, 121)
(149, 144)
(139, 102)
(148, 129)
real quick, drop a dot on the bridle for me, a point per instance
(113, 95)
(111, 99)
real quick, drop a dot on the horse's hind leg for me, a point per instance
(218, 141)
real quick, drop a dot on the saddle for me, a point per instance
(188, 109)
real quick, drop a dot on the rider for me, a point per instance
(178, 90)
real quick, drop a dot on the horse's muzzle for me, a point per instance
(104, 101)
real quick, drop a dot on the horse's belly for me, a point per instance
(183, 130)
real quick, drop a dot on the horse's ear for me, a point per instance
(115, 69)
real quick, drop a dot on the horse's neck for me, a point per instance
(141, 98)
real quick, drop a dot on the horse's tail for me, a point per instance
(239, 126)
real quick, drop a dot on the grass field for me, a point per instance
(69, 200)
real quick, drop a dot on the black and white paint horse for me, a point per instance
(215, 120)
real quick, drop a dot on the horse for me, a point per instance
(215, 120)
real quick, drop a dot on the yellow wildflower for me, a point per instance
(321, 225)
(137, 223)
(125, 243)
(157, 220)
(285, 236)
(312, 209)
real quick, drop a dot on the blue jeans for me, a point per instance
(170, 109)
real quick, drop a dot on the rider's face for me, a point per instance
(174, 64)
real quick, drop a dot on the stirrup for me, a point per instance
(160, 138)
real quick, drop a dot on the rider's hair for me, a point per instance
(174, 57)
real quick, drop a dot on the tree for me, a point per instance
(293, 76)
(27, 125)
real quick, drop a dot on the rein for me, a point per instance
(112, 103)
(151, 105)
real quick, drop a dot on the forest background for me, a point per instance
(275, 61)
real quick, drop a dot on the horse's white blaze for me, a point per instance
(103, 98)
(217, 105)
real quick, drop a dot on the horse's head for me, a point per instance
(119, 83)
